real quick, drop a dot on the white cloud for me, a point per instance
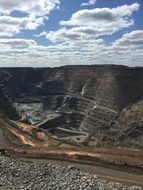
(89, 3)
(33, 8)
(36, 12)
(133, 39)
(81, 43)
(41, 34)
(16, 43)
(104, 18)
(21, 52)
(75, 34)
(11, 25)
(88, 25)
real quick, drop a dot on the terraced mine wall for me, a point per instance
(90, 98)
(6, 97)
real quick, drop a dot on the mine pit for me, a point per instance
(75, 114)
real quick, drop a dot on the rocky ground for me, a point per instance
(19, 175)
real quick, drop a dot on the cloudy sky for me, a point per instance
(49, 33)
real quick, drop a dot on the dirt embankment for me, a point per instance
(124, 160)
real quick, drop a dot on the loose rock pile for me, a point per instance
(19, 175)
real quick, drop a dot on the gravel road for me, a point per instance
(16, 174)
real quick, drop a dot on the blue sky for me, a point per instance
(50, 33)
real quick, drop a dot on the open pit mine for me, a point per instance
(84, 115)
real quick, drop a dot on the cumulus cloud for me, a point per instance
(79, 37)
(59, 55)
(89, 3)
(21, 52)
(17, 43)
(132, 39)
(115, 18)
(33, 7)
(36, 12)
(76, 34)
(41, 34)
(92, 24)
(10, 26)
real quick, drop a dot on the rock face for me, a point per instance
(6, 97)
(96, 101)
(130, 125)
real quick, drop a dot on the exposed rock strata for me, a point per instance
(89, 99)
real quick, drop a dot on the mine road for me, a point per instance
(126, 178)
(119, 165)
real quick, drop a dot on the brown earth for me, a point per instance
(89, 114)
